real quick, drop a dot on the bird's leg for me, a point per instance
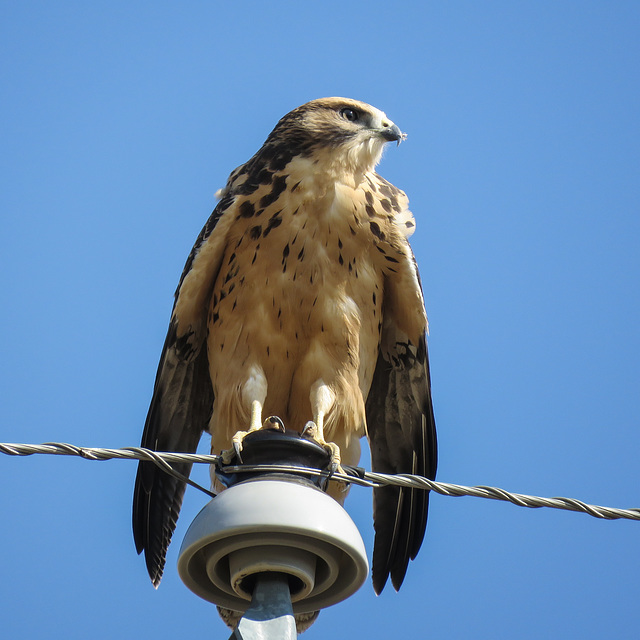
(322, 399)
(254, 394)
(236, 442)
(256, 415)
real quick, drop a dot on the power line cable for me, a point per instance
(352, 475)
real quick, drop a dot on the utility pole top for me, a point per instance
(273, 541)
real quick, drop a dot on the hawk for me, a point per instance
(301, 299)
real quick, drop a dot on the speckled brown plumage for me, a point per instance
(301, 295)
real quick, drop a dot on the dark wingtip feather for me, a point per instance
(179, 411)
(403, 440)
(155, 515)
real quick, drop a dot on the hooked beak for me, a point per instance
(392, 133)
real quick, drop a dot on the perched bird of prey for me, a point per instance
(301, 299)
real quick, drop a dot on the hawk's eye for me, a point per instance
(349, 114)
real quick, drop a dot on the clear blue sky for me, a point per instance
(119, 122)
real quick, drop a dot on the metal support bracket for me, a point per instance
(270, 614)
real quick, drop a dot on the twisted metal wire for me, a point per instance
(352, 475)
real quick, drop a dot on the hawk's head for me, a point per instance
(339, 134)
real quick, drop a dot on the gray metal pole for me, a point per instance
(270, 616)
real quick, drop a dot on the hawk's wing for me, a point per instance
(402, 437)
(182, 397)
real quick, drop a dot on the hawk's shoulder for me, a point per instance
(393, 202)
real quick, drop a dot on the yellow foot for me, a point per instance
(311, 432)
(273, 423)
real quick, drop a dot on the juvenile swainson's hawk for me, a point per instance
(301, 299)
